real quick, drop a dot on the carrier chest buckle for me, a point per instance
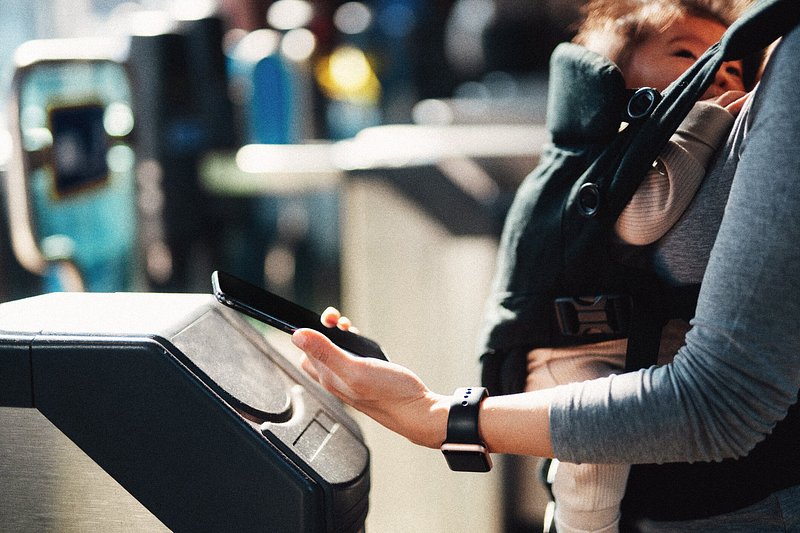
(605, 314)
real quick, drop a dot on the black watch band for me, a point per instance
(463, 448)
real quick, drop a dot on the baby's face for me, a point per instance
(662, 58)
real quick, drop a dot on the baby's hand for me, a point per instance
(733, 101)
(332, 318)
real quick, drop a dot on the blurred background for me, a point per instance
(356, 154)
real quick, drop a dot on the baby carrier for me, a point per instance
(562, 280)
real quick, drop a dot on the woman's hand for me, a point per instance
(396, 398)
(388, 393)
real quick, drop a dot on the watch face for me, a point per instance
(467, 457)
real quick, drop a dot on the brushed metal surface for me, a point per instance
(48, 484)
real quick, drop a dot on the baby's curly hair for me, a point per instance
(614, 27)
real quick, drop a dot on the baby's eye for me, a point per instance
(734, 71)
(685, 53)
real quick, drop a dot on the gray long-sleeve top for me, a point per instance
(740, 368)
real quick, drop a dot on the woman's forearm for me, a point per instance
(517, 424)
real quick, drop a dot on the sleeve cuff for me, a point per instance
(706, 123)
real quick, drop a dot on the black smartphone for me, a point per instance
(284, 315)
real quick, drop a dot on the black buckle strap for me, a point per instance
(606, 314)
(612, 316)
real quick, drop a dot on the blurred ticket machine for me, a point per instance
(71, 187)
(153, 412)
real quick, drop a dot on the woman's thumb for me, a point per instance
(316, 345)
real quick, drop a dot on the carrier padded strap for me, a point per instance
(765, 22)
(644, 339)
(586, 96)
(651, 311)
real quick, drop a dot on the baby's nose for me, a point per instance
(727, 80)
(722, 80)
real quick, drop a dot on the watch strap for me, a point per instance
(462, 422)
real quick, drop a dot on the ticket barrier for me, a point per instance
(134, 411)
(462, 176)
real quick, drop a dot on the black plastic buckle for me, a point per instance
(642, 102)
(606, 314)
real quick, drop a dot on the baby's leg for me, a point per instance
(587, 496)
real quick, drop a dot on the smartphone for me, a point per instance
(285, 315)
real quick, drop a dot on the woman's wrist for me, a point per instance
(436, 414)
(423, 421)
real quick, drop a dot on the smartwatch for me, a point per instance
(463, 449)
